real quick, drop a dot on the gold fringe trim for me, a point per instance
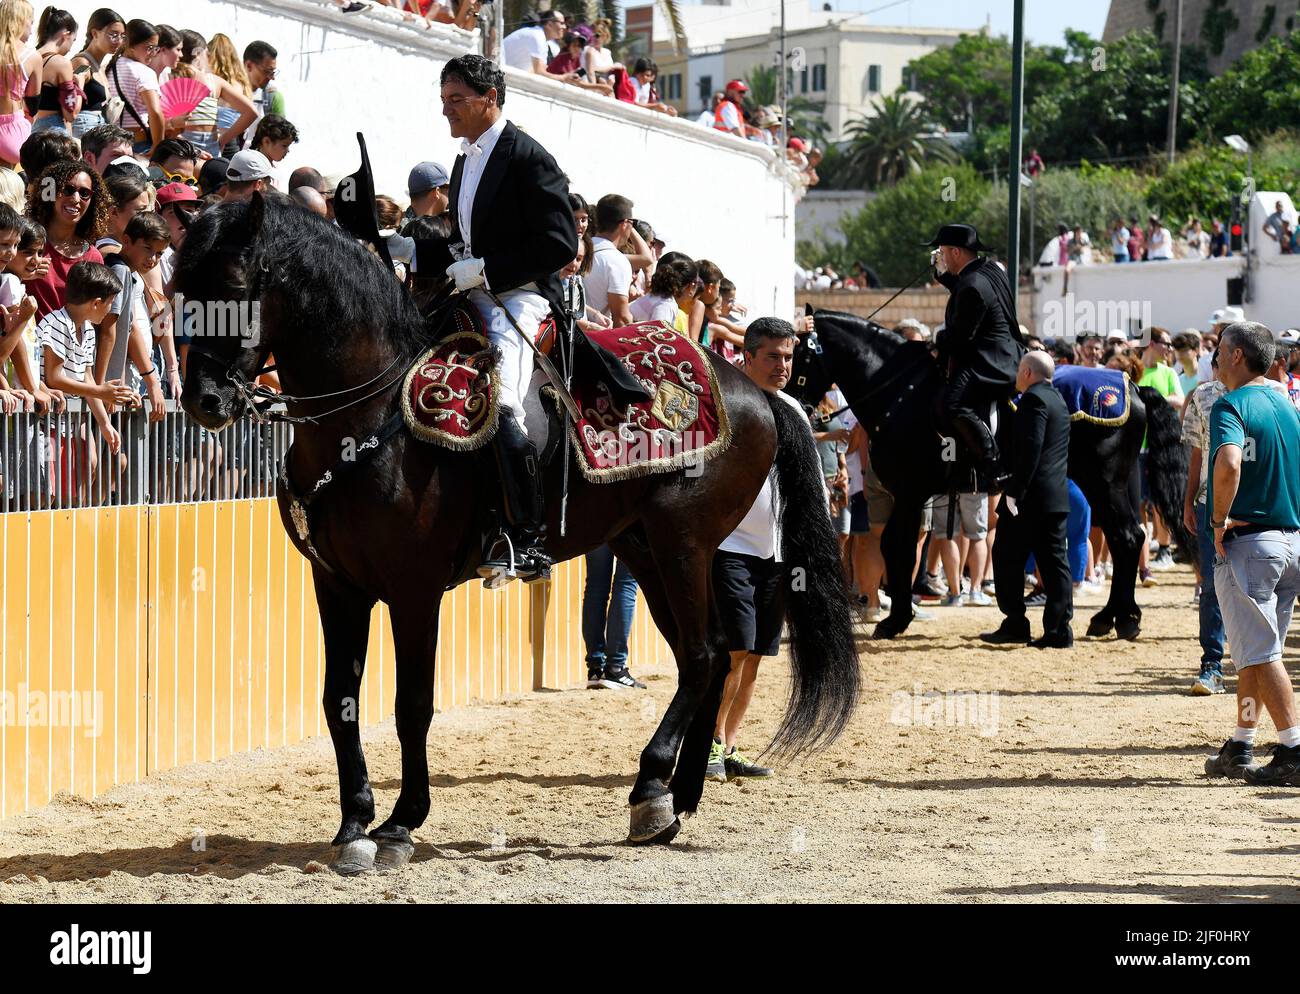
(665, 464)
(1115, 422)
(457, 443)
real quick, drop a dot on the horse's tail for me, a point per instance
(823, 655)
(1167, 467)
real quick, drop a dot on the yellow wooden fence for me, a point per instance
(135, 639)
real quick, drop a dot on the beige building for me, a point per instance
(841, 63)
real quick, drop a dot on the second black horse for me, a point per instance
(891, 385)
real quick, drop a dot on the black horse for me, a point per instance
(891, 385)
(406, 525)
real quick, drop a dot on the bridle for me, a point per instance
(259, 400)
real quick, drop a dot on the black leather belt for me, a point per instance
(1236, 531)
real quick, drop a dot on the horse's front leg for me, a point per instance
(898, 547)
(415, 637)
(345, 622)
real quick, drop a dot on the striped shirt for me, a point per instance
(58, 332)
(135, 79)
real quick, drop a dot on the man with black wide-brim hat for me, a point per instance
(980, 341)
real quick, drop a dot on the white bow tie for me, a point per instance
(470, 149)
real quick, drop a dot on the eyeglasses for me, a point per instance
(81, 192)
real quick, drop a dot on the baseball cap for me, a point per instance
(738, 84)
(798, 144)
(425, 177)
(1116, 335)
(248, 165)
(1227, 315)
(213, 175)
(175, 193)
(1291, 336)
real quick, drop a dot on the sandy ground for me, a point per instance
(1081, 781)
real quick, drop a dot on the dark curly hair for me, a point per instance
(273, 128)
(40, 206)
(478, 73)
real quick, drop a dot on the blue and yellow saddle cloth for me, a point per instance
(1096, 395)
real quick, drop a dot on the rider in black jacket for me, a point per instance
(980, 342)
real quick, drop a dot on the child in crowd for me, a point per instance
(672, 285)
(728, 332)
(706, 295)
(65, 349)
(124, 331)
(18, 309)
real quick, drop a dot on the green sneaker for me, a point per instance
(738, 766)
(717, 769)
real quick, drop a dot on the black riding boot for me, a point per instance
(517, 552)
(977, 438)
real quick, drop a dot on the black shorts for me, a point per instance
(751, 600)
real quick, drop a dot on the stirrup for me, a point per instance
(498, 572)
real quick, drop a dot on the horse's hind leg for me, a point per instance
(345, 623)
(1124, 537)
(415, 637)
(676, 587)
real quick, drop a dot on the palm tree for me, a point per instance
(895, 141)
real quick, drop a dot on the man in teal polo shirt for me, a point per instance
(1254, 497)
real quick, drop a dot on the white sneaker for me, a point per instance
(873, 615)
(977, 598)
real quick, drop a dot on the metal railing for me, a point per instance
(61, 461)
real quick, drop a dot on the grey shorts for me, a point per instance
(972, 517)
(1257, 585)
(880, 502)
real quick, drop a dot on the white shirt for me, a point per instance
(642, 90)
(1158, 247)
(471, 173)
(524, 45)
(759, 533)
(653, 308)
(611, 272)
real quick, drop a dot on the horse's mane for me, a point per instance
(338, 286)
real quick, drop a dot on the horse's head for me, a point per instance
(220, 277)
(810, 377)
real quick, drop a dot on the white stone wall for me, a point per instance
(718, 197)
(1176, 295)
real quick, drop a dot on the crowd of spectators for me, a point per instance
(1126, 240)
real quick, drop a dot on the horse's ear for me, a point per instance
(256, 215)
(184, 218)
(807, 309)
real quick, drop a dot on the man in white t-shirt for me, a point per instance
(609, 280)
(528, 48)
(748, 579)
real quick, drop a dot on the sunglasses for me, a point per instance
(176, 178)
(81, 192)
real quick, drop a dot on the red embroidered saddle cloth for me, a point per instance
(683, 423)
(449, 396)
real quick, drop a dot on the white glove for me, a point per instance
(468, 273)
(401, 248)
(1011, 506)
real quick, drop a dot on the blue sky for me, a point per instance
(1045, 20)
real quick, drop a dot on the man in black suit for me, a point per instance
(1033, 511)
(980, 342)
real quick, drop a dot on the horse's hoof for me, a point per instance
(393, 854)
(652, 820)
(664, 837)
(883, 632)
(355, 857)
(1127, 630)
(1100, 628)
